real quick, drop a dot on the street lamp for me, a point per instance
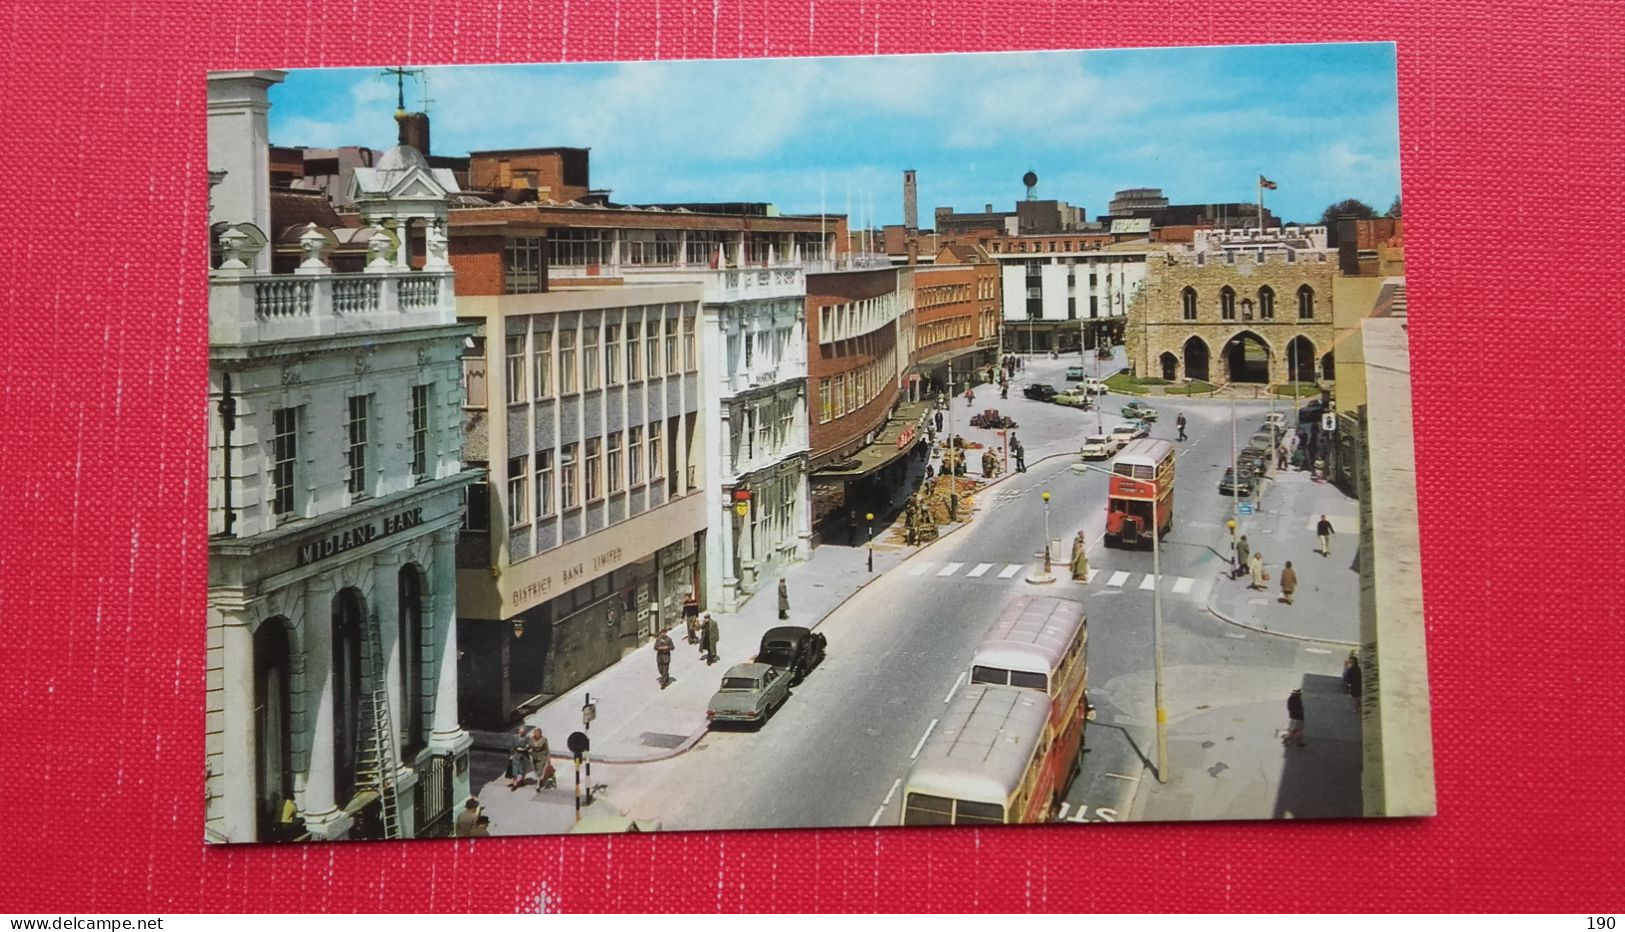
(870, 517)
(1156, 617)
(1046, 576)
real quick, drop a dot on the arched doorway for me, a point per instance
(1247, 358)
(273, 734)
(1328, 367)
(348, 729)
(1300, 360)
(1196, 359)
(1170, 366)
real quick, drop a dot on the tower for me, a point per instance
(911, 211)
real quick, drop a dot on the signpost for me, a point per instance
(578, 745)
(1245, 508)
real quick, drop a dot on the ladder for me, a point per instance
(377, 769)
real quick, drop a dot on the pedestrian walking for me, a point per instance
(970, 396)
(663, 649)
(691, 617)
(1289, 582)
(1255, 566)
(1353, 678)
(784, 600)
(710, 639)
(1080, 559)
(468, 818)
(1021, 458)
(1004, 389)
(1180, 423)
(1294, 715)
(1243, 550)
(939, 422)
(541, 758)
(1324, 531)
(518, 759)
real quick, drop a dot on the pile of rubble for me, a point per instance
(929, 508)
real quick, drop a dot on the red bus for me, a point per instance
(1144, 470)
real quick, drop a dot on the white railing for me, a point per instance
(252, 308)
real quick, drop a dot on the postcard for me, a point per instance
(873, 441)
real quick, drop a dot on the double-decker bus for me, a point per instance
(1142, 474)
(1042, 643)
(981, 764)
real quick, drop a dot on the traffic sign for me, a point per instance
(1328, 421)
(578, 744)
(1245, 508)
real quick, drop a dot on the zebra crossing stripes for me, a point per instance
(1118, 579)
(1113, 580)
(1010, 570)
(921, 569)
(1183, 585)
(979, 570)
(950, 569)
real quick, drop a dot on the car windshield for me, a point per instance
(740, 682)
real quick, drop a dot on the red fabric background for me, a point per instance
(1513, 137)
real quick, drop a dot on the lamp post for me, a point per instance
(1156, 618)
(1045, 576)
(870, 517)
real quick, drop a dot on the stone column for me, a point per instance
(385, 601)
(236, 805)
(748, 559)
(322, 813)
(803, 512)
(448, 737)
(730, 582)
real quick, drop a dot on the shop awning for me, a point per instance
(899, 435)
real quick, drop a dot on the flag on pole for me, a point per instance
(1266, 184)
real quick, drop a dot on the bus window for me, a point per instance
(992, 675)
(1026, 680)
(920, 809)
(970, 812)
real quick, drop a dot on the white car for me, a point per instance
(1100, 446)
(1123, 433)
(1275, 419)
(1094, 386)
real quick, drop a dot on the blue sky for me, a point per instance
(1200, 123)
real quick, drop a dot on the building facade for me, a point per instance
(335, 493)
(1066, 293)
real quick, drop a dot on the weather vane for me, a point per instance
(401, 75)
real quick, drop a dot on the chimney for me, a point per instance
(913, 251)
(414, 131)
(911, 212)
(987, 209)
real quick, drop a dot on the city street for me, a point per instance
(901, 641)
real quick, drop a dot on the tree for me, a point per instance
(1357, 209)
(1393, 209)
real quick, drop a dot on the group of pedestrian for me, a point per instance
(472, 822)
(1252, 562)
(530, 756)
(1353, 685)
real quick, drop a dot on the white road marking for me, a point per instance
(894, 785)
(1062, 814)
(950, 569)
(980, 569)
(1118, 578)
(1149, 582)
(921, 569)
(878, 813)
(950, 697)
(1122, 776)
(928, 729)
(1183, 585)
(1092, 574)
(1316, 650)
(1011, 570)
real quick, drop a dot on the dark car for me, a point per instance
(1040, 391)
(1230, 485)
(792, 648)
(1311, 411)
(1253, 460)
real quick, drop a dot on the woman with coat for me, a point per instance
(1289, 582)
(1080, 559)
(1242, 553)
(784, 600)
(540, 759)
(1255, 566)
(518, 759)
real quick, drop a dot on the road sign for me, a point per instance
(1328, 421)
(1245, 508)
(578, 744)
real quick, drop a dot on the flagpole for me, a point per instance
(1261, 203)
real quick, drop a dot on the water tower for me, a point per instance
(1031, 181)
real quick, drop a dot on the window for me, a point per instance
(420, 431)
(522, 265)
(825, 404)
(577, 248)
(544, 363)
(595, 469)
(1227, 303)
(634, 455)
(702, 249)
(615, 476)
(634, 351)
(474, 373)
(651, 349)
(763, 421)
(284, 453)
(649, 247)
(355, 454)
(1266, 303)
(750, 348)
(567, 360)
(672, 368)
(612, 354)
(1306, 303)
(691, 359)
(518, 484)
(516, 369)
(657, 458)
(787, 422)
(273, 732)
(544, 483)
(589, 357)
(567, 477)
(1188, 298)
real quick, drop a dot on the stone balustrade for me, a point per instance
(254, 308)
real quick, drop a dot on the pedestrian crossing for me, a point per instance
(1102, 580)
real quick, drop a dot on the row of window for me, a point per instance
(850, 391)
(936, 295)
(845, 321)
(764, 427)
(286, 427)
(578, 247)
(578, 473)
(627, 353)
(1266, 303)
(937, 331)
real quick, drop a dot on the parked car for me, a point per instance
(1263, 440)
(1311, 411)
(1095, 386)
(792, 648)
(1230, 485)
(750, 692)
(1139, 410)
(1254, 460)
(1074, 373)
(1040, 391)
(1276, 419)
(1100, 447)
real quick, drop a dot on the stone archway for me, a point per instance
(1328, 366)
(1196, 359)
(1300, 360)
(1247, 358)
(1170, 366)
